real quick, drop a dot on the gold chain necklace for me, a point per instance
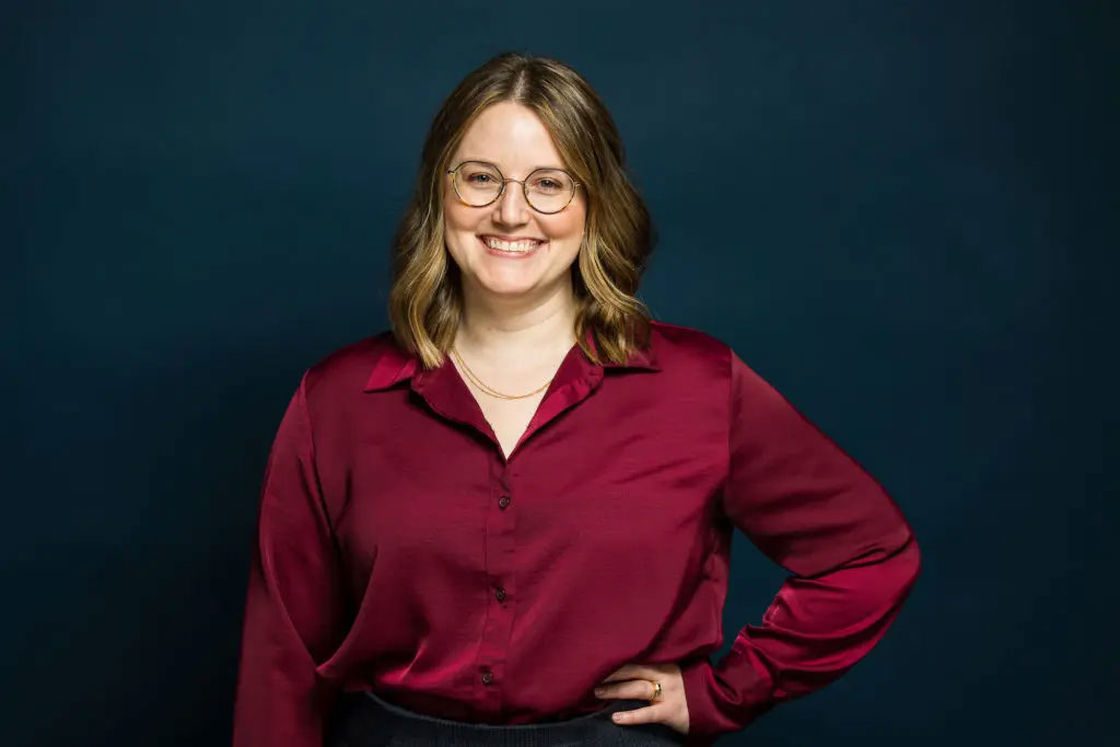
(490, 390)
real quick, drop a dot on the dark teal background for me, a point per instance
(904, 215)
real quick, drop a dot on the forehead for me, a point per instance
(511, 136)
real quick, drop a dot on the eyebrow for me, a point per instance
(499, 168)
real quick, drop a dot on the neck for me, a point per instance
(517, 332)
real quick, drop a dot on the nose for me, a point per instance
(511, 208)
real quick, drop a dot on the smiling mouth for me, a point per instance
(508, 248)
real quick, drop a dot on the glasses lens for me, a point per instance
(549, 190)
(477, 183)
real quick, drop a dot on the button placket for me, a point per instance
(499, 553)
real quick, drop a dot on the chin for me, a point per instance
(511, 289)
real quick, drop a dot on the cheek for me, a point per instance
(456, 232)
(457, 217)
(566, 225)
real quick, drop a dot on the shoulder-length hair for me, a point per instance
(425, 298)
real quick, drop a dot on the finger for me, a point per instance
(631, 689)
(634, 690)
(634, 672)
(653, 714)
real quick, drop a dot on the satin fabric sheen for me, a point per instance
(398, 550)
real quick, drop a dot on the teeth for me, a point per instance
(511, 246)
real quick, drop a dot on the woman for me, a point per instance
(508, 519)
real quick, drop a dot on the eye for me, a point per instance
(549, 184)
(479, 177)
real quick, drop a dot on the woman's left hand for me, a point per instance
(633, 681)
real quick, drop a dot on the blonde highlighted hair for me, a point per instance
(425, 298)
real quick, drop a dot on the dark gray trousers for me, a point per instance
(366, 720)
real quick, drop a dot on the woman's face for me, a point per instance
(514, 139)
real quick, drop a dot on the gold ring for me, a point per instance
(656, 689)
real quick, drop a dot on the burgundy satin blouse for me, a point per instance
(398, 550)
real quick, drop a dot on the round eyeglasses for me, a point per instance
(479, 184)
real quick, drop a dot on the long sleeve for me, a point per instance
(293, 600)
(813, 510)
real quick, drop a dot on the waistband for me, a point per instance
(369, 720)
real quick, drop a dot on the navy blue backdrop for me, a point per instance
(904, 215)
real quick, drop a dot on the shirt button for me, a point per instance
(487, 678)
(500, 593)
(503, 502)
